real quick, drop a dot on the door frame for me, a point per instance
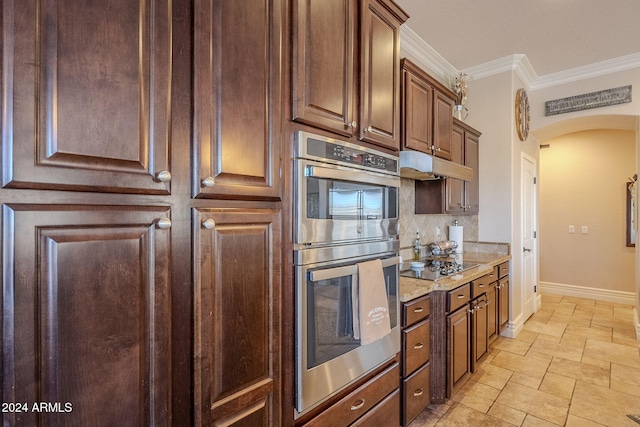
(534, 212)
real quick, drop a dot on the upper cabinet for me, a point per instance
(237, 99)
(463, 196)
(346, 68)
(87, 96)
(452, 195)
(427, 113)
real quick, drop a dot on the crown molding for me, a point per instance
(621, 63)
(424, 55)
(519, 64)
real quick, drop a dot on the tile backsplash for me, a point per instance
(427, 224)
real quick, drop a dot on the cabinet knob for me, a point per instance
(209, 181)
(352, 125)
(368, 129)
(163, 223)
(209, 224)
(438, 149)
(163, 176)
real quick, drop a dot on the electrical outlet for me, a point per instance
(585, 229)
(572, 229)
(437, 231)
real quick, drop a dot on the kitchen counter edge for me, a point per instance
(412, 288)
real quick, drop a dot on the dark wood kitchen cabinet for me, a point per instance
(502, 290)
(89, 96)
(87, 313)
(137, 289)
(427, 112)
(452, 195)
(346, 68)
(450, 341)
(237, 99)
(463, 197)
(236, 315)
(416, 350)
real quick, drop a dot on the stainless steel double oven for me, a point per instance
(347, 209)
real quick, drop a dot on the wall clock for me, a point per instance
(522, 114)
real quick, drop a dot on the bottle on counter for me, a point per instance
(417, 247)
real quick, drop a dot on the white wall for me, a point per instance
(583, 178)
(622, 116)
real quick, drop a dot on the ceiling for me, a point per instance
(555, 35)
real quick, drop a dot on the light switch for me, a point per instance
(585, 229)
(572, 229)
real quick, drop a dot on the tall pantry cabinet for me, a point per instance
(141, 211)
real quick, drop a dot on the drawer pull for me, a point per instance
(357, 405)
(418, 346)
(418, 392)
(461, 296)
(418, 310)
(481, 286)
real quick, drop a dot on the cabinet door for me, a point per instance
(86, 306)
(87, 95)
(323, 64)
(237, 316)
(504, 303)
(492, 312)
(237, 101)
(380, 76)
(458, 324)
(455, 198)
(418, 113)
(479, 337)
(442, 125)
(472, 188)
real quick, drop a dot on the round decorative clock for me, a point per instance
(522, 114)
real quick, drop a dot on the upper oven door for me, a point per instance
(337, 204)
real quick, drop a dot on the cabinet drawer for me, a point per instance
(416, 310)
(481, 284)
(503, 269)
(415, 392)
(415, 346)
(384, 414)
(458, 297)
(357, 403)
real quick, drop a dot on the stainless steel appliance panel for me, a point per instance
(328, 357)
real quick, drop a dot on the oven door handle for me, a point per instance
(347, 270)
(353, 176)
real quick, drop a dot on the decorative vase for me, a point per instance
(460, 112)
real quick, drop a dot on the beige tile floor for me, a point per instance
(576, 364)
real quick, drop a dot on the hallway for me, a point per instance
(576, 363)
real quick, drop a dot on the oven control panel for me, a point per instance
(328, 149)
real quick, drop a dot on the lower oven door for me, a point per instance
(328, 356)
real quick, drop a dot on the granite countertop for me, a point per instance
(412, 288)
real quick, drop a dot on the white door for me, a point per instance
(529, 254)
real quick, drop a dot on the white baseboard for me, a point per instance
(608, 295)
(514, 327)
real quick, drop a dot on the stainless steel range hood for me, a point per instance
(421, 166)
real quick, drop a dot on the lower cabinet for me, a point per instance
(479, 329)
(459, 360)
(236, 325)
(416, 349)
(492, 312)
